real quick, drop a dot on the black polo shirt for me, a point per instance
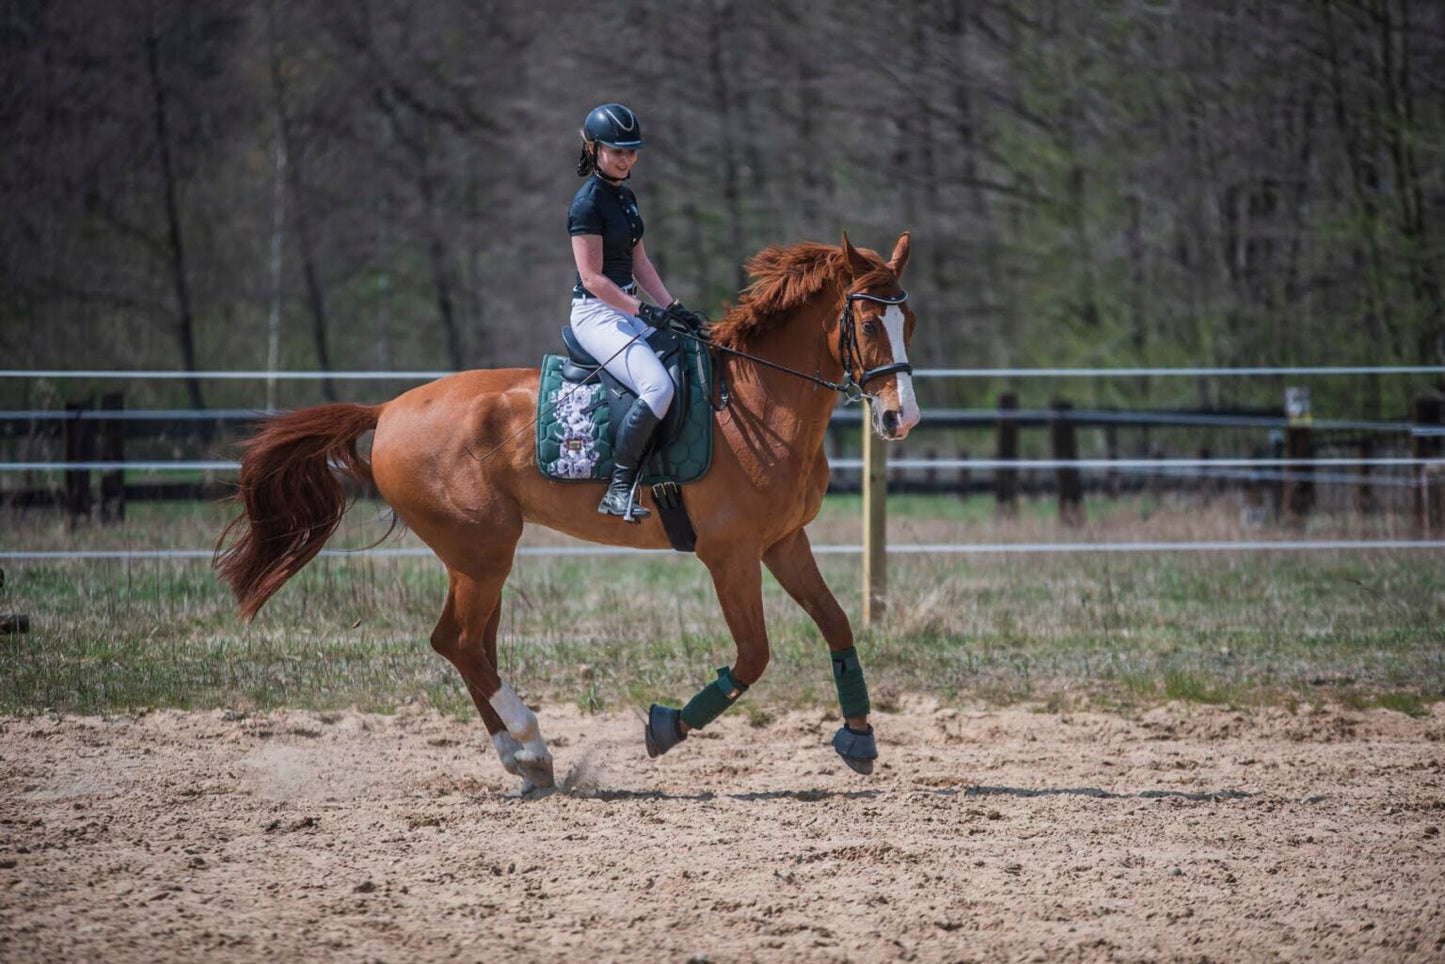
(609, 210)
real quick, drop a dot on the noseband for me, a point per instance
(849, 352)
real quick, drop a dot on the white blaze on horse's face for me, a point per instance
(908, 414)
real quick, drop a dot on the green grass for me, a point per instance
(1055, 632)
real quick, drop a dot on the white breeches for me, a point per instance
(603, 331)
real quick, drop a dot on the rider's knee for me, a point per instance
(659, 397)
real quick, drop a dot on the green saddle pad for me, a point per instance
(574, 426)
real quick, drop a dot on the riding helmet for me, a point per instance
(613, 125)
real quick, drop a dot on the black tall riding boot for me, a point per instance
(629, 448)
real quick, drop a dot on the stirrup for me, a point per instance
(632, 512)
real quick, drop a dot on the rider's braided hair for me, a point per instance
(587, 163)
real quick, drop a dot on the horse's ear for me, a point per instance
(855, 262)
(900, 255)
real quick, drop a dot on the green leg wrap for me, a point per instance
(848, 677)
(712, 699)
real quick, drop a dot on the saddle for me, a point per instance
(579, 403)
(667, 345)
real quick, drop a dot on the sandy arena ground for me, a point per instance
(1188, 834)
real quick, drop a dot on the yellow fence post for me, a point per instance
(875, 519)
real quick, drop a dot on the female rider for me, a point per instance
(608, 318)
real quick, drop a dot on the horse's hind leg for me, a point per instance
(791, 562)
(467, 636)
(446, 640)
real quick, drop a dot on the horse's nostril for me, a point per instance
(890, 422)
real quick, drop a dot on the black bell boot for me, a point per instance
(630, 446)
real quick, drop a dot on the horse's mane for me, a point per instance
(783, 279)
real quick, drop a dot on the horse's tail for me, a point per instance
(291, 502)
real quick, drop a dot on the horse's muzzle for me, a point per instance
(889, 424)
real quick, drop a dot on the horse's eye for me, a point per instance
(869, 328)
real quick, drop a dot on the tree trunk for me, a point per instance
(436, 251)
(1402, 136)
(1379, 312)
(971, 136)
(723, 108)
(185, 319)
(278, 232)
(315, 294)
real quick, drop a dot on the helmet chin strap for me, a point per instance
(614, 180)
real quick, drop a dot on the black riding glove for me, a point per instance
(653, 315)
(694, 321)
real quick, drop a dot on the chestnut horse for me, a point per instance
(814, 308)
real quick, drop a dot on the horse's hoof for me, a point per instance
(857, 748)
(507, 750)
(663, 730)
(535, 770)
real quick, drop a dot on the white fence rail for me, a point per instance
(223, 374)
(872, 550)
(850, 464)
(978, 416)
(931, 548)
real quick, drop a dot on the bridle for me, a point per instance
(849, 352)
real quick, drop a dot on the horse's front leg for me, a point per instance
(791, 562)
(738, 580)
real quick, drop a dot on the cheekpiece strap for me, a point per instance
(852, 388)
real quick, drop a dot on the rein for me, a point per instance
(848, 351)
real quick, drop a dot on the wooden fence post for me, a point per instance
(1006, 481)
(875, 521)
(1276, 483)
(1253, 511)
(1299, 443)
(1430, 493)
(833, 447)
(12, 623)
(1065, 448)
(79, 434)
(1365, 503)
(1111, 452)
(112, 449)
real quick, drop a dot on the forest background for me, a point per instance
(382, 184)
